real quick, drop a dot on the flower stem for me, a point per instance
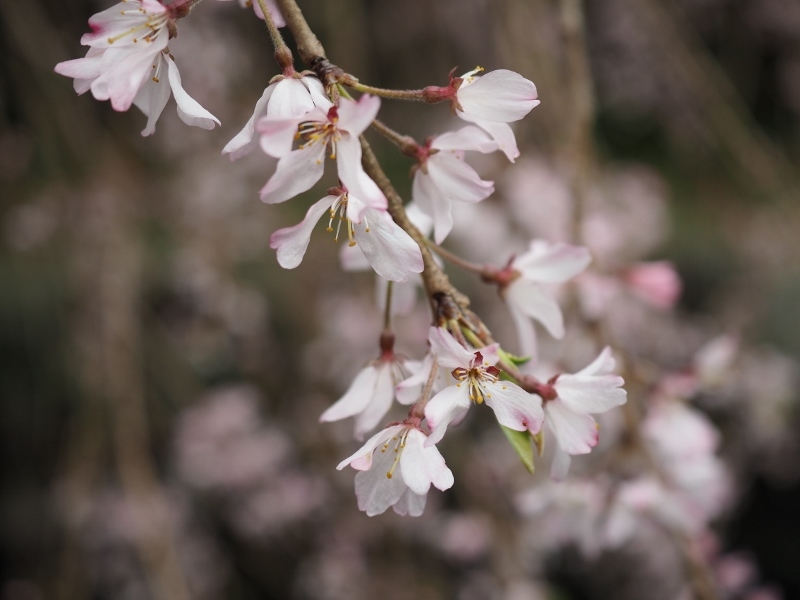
(282, 53)
(457, 260)
(384, 93)
(407, 144)
(417, 410)
(387, 311)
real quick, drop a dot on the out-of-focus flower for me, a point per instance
(272, 7)
(442, 176)
(381, 484)
(338, 127)
(684, 442)
(492, 101)
(527, 295)
(286, 97)
(389, 249)
(476, 379)
(592, 390)
(370, 395)
(658, 283)
(128, 63)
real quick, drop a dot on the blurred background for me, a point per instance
(162, 377)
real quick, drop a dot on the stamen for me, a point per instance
(398, 449)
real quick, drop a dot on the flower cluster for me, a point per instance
(306, 119)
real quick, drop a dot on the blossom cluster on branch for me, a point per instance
(306, 119)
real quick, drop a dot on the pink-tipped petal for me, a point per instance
(292, 242)
(514, 407)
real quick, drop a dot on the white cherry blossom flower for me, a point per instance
(527, 294)
(128, 63)
(286, 97)
(476, 379)
(391, 251)
(272, 7)
(592, 390)
(370, 396)
(492, 101)
(442, 176)
(337, 128)
(397, 468)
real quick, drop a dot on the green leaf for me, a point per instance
(512, 358)
(521, 442)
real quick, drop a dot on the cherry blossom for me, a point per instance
(476, 379)
(338, 127)
(381, 484)
(492, 101)
(272, 7)
(370, 395)
(128, 63)
(389, 249)
(443, 176)
(284, 97)
(527, 294)
(592, 390)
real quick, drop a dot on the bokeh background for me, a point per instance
(162, 377)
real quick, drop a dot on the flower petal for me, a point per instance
(189, 110)
(533, 300)
(297, 172)
(410, 504)
(124, 73)
(514, 407)
(500, 133)
(552, 263)
(576, 432)
(604, 364)
(435, 203)
(357, 397)
(466, 138)
(449, 353)
(379, 401)
(559, 468)
(449, 404)
(526, 333)
(500, 96)
(245, 141)
(361, 459)
(292, 242)
(595, 395)
(355, 117)
(422, 465)
(357, 182)
(374, 490)
(456, 179)
(317, 92)
(151, 100)
(389, 249)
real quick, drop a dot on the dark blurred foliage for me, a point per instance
(137, 282)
